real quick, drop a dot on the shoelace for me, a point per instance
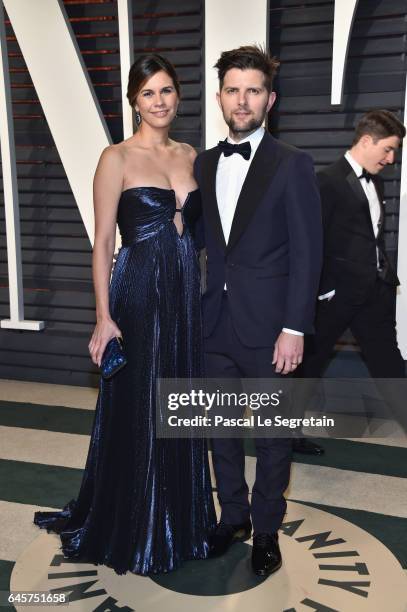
(263, 540)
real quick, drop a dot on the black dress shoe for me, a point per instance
(266, 555)
(306, 447)
(225, 535)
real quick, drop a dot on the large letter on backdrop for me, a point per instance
(125, 18)
(402, 250)
(10, 191)
(343, 21)
(72, 111)
(67, 97)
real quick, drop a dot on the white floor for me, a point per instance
(52, 395)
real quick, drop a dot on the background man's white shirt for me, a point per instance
(370, 191)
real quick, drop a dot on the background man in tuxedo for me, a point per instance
(263, 237)
(358, 283)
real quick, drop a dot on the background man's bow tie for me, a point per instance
(244, 149)
(366, 175)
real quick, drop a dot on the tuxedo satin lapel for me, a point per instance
(377, 181)
(210, 204)
(355, 185)
(380, 196)
(357, 189)
(261, 172)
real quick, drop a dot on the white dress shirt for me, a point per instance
(370, 191)
(374, 207)
(230, 176)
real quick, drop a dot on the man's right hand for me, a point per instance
(288, 352)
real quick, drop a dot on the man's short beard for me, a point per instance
(253, 124)
(249, 127)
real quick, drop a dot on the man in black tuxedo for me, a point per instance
(358, 283)
(263, 237)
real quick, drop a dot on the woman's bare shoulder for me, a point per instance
(110, 167)
(185, 150)
(112, 155)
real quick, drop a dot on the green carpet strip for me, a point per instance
(38, 484)
(51, 418)
(355, 456)
(390, 530)
(6, 567)
(341, 454)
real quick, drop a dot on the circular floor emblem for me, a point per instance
(214, 577)
(329, 565)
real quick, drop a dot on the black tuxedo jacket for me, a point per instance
(350, 263)
(272, 262)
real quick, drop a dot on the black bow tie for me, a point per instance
(244, 149)
(366, 175)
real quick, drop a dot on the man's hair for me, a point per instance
(379, 124)
(248, 57)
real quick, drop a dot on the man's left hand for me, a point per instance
(288, 352)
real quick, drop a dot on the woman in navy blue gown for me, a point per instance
(145, 504)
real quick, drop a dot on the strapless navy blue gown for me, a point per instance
(145, 504)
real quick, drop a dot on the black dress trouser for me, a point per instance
(371, 318)
(226, 357)
(372, 322)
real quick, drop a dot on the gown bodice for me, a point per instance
(143, 212)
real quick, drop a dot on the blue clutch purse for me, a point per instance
(114, 358)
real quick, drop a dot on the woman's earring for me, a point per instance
(138, 118)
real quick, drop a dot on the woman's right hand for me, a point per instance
(105, 330)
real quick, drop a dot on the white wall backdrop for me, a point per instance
(402, 250)
(228, 24)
